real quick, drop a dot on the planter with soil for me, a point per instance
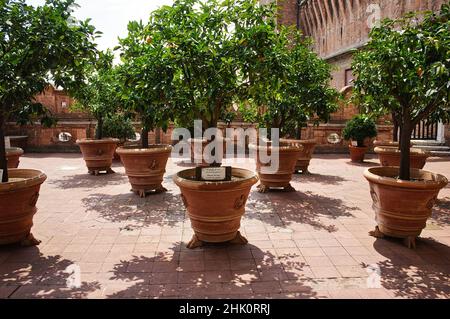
(390, 156)
(18, 198)
(12, 155)
(145, 167)
(402, 207)
(98, 154)
(357, 153)
(281, 178)
(305, 156)
(215, 208)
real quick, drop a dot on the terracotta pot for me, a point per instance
(387, 143)
(357, 153)
(281, 178)
(18, 199)
(390, 156)
(98, 154)
(215, 208)
(124, 144)
(145, 167)
(402, 207)
(12, 155)
(306, 154)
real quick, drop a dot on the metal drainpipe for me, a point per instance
(298, 13)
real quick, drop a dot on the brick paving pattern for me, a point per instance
(312, 243)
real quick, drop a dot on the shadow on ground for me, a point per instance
(156, 209)
(421, 274)
(36, 276)
(89, 181)
(297, 207)
(441, 209)
(318, 178)
(166, 276)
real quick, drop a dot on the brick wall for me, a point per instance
(338, 24)
(59, 103)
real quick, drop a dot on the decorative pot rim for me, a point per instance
(284, 148)
(249, 179)
(292, 140)
(386, 175)
(358, 147)
(32, 177)
(395, 150)
(153, 148)
(14, 151)
(94, 141)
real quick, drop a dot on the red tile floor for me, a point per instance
(101, 241)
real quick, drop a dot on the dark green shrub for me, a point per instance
(118, 126)
(359, 128)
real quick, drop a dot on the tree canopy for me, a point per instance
(405, 70)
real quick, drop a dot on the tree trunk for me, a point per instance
(405, 140)
(3, 160)
(299, 131)
(144, 137)
(396, 128)
(158, 135)
(99, 132)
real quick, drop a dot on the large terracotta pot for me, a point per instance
(281, 178)
(18, 199)
(390, 156)
(98, 154)
(215, 208)
(357, 153)
(12, 155)
(306, 154)
(145, 167)
(402, 207)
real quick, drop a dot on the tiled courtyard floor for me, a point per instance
(313, 243)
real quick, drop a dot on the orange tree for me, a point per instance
(405, 71)
(38, 46)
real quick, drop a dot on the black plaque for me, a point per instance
(213, 173)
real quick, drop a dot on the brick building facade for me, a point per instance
(336, 26)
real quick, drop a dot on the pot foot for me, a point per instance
(194, 243)
(376, 233)
(239, 240)
(110, 171)
(141, 193)
(410, 242)
(29, 241)
(288, 189)
(160, 189)
(262, 188)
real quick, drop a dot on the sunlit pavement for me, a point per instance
(99, 240)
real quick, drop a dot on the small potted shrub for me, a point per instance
(98, 95)
(357, 131)
(410, 68)
(146, 80)
(291, 86)
(38, 46)
(121, 127)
